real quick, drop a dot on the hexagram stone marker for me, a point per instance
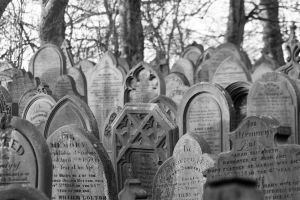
(81, 166)
(207, 110)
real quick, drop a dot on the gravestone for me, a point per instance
(193, 53)
(48, 64)
(79, 80)
(181, 176)
(144, 137)
(25, 157)
(185, 67)
(70, 110)
(142, 84)
(167, 104)
(37, 110)
(6, 76)
(204, 56)
(105, 88)
(229, 71)
(81, 166)
(66, 49)
(122, 62)
(207, 110)
(22, 193)
(258, 154)
(85, 66)
(5, 101)
(64, 85)
(263, 65)
(176, 85)
(132, 190)
(160, 64)
(276, 95)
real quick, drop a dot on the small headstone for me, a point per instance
(276, 95)
(207, 110)
(185, 67)
(181, 176)
(193, 53)
(25, 157)
(64, 85)
(70, 110)
(144, 137)
(167, 104)
(22, 193)
(79, 80)
(229, 71)
(263, 65)
(81, 167)
(142, 84)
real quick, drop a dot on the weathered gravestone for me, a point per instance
(263, 65)
(64, 85)
(48, 64)
(22, 193)
(25, 157)
(207, 110)
(176, 85)
(185, 67)
(276, 95)
(81, 166)
(70, 110)
(105, 88)
(144, 137)
(5, 101)
(167, 104)
(37, 110)
(229, 71)
(85, 66)
(122, 62)
(257, 153)
(79, 80)
(132, 190)
(142, 84)
(193, 53)
(180, 177)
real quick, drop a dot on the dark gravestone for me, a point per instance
(48, 64)
(105, 88)
(185, 67)
(276, 95)
(25, 157)
(79, 80)
(263, 65)
(207, 110)
(81, 166)
(22, 193)
(37, 110)
(176, 85)
(167, 104)
(257, 154)
(64, 85)
(181, 176)
(144, 137)
(193, 53)
(70, 110)
(142, 84)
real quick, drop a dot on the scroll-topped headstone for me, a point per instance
(105, 88)
(276, 95)
(48, 64)
(229, 71)
(70, 110)
(22, 193)
(167, 104)
(207, 110)
(256, 154)
(81, 166)
(64, 85)
(144, 137)
(181, 176)
(185, 67)
(193, 53)
(142, 84)
(25, 157)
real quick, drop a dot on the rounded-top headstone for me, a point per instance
(193, 52)
(85, 66)
(25, 97)
(185, 67)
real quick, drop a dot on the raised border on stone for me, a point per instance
(21, 193)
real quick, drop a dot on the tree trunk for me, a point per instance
(131, 33)
(3, 5)
(236, 22)
(271, 33)
(52, 26)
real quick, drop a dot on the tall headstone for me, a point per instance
(144, 137)
(142, 84)
(25, 157)
(257, 154)
(263, 65)
(276, 95)
(48, 64)
(81, 166)
(105, 88)
(185, 67)
(71, 110)
(181, 176)
(22, 193)
(193, 53)
(207, 110)
(64, 85)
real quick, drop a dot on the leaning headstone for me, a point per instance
(207, 110)
(167, 104)
(48, 64)
(142, 84)
(258, 154)
(185, 67)
(229, 71)
(64, 85)
(144, 137)
(181, 176)
(81, 166)
(193, 53)
(70, 110)
(276, 95)
(263, 65)
(79, 80)
(22, 193)
(176, 85)
(105, 88)
(25, 157)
